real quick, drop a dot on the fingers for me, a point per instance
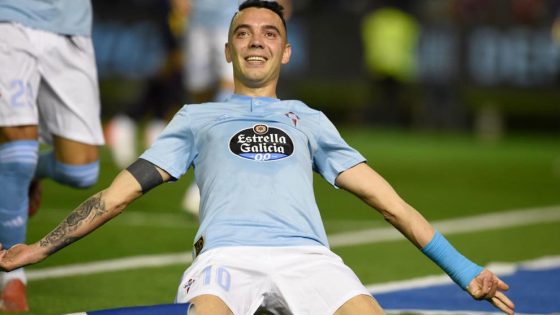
(485, 286)
(489, 287)
(502, 286)
(503, 303)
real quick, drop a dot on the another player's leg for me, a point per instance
(70, 111)
(70, 163)
(35, 195)
(19, 82)
(18, 159)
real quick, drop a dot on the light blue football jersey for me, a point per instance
(67, 17)
(253, 160)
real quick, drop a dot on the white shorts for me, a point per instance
(49, 80)
(206, 63)
(283, 280)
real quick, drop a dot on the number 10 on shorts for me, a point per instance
(218, 275)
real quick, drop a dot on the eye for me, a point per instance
(242, 34)
(271, 34)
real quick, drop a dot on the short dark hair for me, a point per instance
(271, 5)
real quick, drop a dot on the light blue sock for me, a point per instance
(77, 176)
(18, 160)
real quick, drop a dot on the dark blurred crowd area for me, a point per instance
(445, 65)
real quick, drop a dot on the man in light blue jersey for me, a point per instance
(261, 243)
(48, 92)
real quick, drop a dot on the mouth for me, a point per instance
(256, 59)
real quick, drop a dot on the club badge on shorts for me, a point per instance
(261, 143)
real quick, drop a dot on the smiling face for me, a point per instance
(257, 48)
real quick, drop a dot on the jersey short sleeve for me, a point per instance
(174, 150)
(331, 154)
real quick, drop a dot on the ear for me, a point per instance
(227, 52)
(286, 54)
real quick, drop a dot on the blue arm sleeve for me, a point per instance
(459, 268)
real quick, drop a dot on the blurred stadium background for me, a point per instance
(463, 122)
(469, 62)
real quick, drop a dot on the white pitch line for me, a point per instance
(483, 222)
(491, 221)
(128, 263)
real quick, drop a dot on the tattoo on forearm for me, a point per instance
(88, 210)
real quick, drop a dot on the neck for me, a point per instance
(262, 91)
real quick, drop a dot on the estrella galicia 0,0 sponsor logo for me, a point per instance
(261, 143)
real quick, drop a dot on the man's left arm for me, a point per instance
(374, 190)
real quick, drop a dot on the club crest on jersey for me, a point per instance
(261, 143)
(293, 117)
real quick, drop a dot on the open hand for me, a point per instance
(487, 286)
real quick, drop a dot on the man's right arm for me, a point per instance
(88, 216)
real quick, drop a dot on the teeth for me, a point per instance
(255, 58)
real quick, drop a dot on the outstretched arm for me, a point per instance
(87, 217)
(368, 185)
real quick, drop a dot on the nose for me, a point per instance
(256, 42)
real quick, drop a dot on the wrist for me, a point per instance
(458, 267)
(42, 249)
(39, 252)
